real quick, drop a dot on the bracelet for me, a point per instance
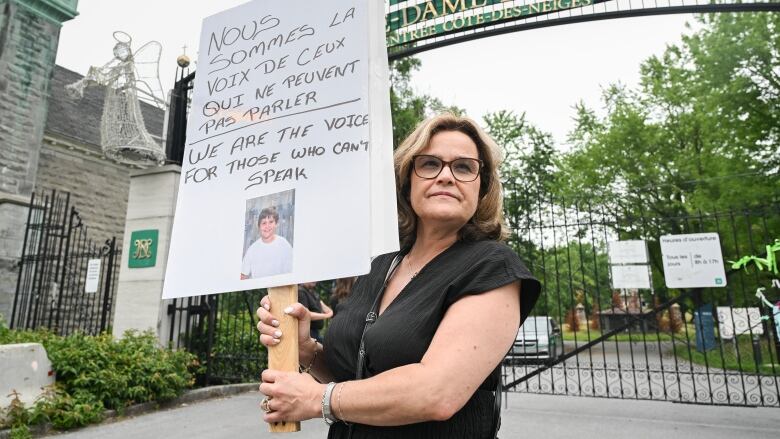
(327, 415)
(307, 369)
(338, 403)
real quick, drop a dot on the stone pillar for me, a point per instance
(29, 34)
(150, 208)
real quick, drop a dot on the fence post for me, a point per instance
(21, 260)
(107, 288)
(64, 268)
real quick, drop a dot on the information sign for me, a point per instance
(630, 276)
(693, 261)
(93, 276)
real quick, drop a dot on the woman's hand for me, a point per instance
(291, 396)
(270, 335)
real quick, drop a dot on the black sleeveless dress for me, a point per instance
(402, 334)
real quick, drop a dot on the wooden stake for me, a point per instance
(284, 356)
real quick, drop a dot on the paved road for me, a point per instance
(647, 371)
(526, 415)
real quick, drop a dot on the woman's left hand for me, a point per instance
(292, 396)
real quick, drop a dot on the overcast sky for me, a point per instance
(542, 72)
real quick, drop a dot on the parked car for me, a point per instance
(539, 340)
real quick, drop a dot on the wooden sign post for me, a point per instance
(284, 356)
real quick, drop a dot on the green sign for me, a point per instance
(398, 21)
(432, 9)
(143, 248)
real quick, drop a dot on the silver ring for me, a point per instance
(264, 404)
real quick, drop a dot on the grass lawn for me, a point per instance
(585, 336)
(729, 356)
(725, 355)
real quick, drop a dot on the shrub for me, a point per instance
(95, 373)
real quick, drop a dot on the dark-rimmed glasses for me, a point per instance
(463, 169)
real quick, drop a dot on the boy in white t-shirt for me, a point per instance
(271, 254)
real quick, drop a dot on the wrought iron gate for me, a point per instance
(66, 282)
(647, 344)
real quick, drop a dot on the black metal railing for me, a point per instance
(657, 343)
(66, 282)
(221, 330)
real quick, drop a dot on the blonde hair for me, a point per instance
(488, 220)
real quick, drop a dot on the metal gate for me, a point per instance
(66, 282)
(649, 344)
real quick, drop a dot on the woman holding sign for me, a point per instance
(415, 351)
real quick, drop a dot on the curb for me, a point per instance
(188, 397)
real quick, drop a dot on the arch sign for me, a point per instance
(414, 26)
(444, 16)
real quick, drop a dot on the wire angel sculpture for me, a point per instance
(129, 78)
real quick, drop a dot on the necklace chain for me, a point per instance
(409, 266)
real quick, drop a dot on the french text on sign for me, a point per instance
(693, 261)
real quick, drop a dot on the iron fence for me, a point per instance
(66, 282)
(656, 343)
(221, 330)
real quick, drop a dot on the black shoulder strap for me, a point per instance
(497, 404)
(371, 317)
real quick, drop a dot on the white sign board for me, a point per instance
(93, 276)
(627, 252)
(738, 321)
(630, 276)
(285, 154)
(693, 261)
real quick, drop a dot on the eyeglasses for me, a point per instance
(463, 169)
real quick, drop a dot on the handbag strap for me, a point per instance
(497, 404)
(371, 317)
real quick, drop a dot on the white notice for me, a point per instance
(630, 276)
(693, 261)
(93, 276)
(738, 321)
(275, 180)
(627, 252)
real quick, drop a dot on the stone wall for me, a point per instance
(98, 187)
(28, 47)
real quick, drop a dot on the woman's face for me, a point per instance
(443, 199)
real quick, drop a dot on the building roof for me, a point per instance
(79, 119)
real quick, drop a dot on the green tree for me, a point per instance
(699, 134)
(408, 108)
(528, 173)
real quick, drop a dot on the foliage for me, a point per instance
(568, 271)
(235, 353)
(97, 373)
(699, 133)
(407, 107)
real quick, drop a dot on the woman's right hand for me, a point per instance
(270, 335)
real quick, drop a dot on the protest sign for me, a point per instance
(287, 150)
